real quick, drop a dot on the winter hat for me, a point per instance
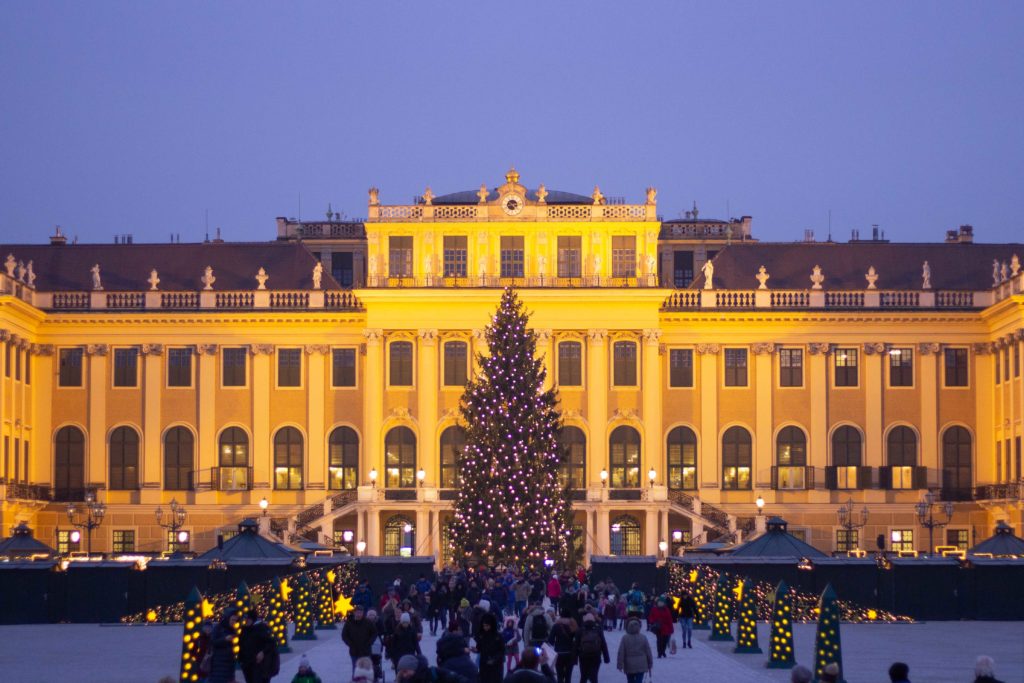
(801, 674)
(304, 664)
(485, 605)
(408, 663)
(405, 618)
(362, 674)
(464, 603)
(588, 618)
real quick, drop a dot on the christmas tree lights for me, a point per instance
(746, 620)
(277, 614)
(193, 626)
(780, 647)
(700, 597)
(243, 603)
(722, 616)
(302, 607)
(827, 648)
(510, 507)
(325, 617)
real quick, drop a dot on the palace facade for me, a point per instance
(700, 371)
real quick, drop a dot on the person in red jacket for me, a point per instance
(660, 620)
(554, 591)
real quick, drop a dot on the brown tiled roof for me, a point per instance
(126, 267)
(899, 266)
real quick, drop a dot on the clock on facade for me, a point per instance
(513, 204)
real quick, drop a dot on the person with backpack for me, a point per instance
(634, 657)
(591, 649)
(563, 639)
(358, 634)
(662, 624)
(415, 669)
(536, 626)
(635, 600)
(257, 651)
(491, 648)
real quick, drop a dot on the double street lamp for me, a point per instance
(926, 516)
(88, 518)
(851, 519)
(174, 522)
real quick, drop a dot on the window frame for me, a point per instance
(847, 540)
(516, 264)
(232, 462)
(738, 458)
(902, 352)
(175, 351)
(453, 267)
(355, 367)
(286, 448)
(127, 478)
(405, 480)
(792, 475)
(391, 365)
(124, 351)
(619, 471)
(682, 465)
(403, 267)
(905, 480)
(347, 459)
(845, 470)
(114, 543)
(568, 266)
(687, 370)
(630, 371)
(571, 473)
(79, 353)
(955, 352)
(727, 369)
(179, 468)
(846, 368)
(786, 372)
(903, 542)
(453, 384)
(448, 454)
(580, 361)
(236, 352)
(623, 257)
(279, 354)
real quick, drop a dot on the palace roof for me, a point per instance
(898, 266)
(552, 197)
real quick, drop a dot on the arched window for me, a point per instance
(453, 440)
(400, 458)
(901, 457)
(790, 458)
(233, 473)
(69, 464)
(682, 459)
(288, 459)
(178, 451)
(624, 454)
(124, 459)
(956, 464)
(847, 446)
(343, 459)
(399, 537)
(736, 459)
(625, 536)
(572, 471)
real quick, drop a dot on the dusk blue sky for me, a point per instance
(139, 117)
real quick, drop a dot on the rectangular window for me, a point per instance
(901, 367)
(343, 368)
(511, 256)
(400, 364)
(178, 542)
(455, 251)
(28, 368)
(791, 367)
(123, 541)
(17, 364)
(735, 367)
(846, 366)
(342, 269)
(71, 367)
(570, 364)
(1006, 363)
(64, 543)
(901, 540)
(126, 367)
(1016, 359)
(179, 367)
(624, 356)
(847, 540)
(999, 366)
(455, 357)
(400, 256)
(623, 256)
(234, 366)
(682, 268)
(289, 367)
(680, 367)
(961, 538)
(956, 367)
(8, 350)
(569, 261)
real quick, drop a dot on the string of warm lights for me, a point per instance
(302, 608)
(827, 648)
(193, 625)
(780, 649)
(746, 620)
(277, 614)
(325, 616)
(722, 615)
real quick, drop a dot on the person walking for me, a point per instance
(660, 620)
(257, 651)
(404, 641)
(527, 671)
(563, 639)
(591, 649)
(358, 634)
(536, 626)
(687, 612)
(510, 636)
(305, 673)
(554, 591)
(521, 591)
(222, 648)
(415, 669)
(491, 648)
(635, 601)
(634, 657)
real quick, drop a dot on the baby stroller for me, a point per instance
(376, 654)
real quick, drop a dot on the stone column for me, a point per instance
(97, 378)
(597, 404)
(651, 388)
(650, 532)
(372, 382)
(424, 534)
(316, 468)
(435, 536)
(42, 417)
(603, 535)
(262, 451)
(152, 388)
(708, 470)
(372, 532)
(426, 405)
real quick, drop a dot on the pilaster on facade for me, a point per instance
(597, 402)
(708, 381)
(315, 416)
(426, 402)
(373, 403)
(651, 403)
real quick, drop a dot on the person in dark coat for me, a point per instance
(358, 633)
(985, 670)
(404, 641)
(452, 643)
(687, 613)
(415, 669)
(563, 639)
(222, 663)
(527, 671)
(257, 651)
(491, 648)
(588, 651)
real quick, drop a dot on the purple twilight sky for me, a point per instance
(139, 117)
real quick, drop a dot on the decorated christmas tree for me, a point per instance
(827, 648)
(277, 614)
(302, 606)
(325, 617)
(746, 619)
(193, 623)
(511, 508)
(722, 617)
(780, 647)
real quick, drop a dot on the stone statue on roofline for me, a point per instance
(652, 196)
(261, 278)
(428, 196)
(374, 196)
(995, 272)
(597, 196)
(709, 273)
(208, 278)
(816, 277)
(762, 277)
(318, 274)
(154, 280)
(21, 271)
(872, 277)
(10, 264)
(97, 283)
(542, 194)
(1014, 265)
(926, 276)
(1004, 273)
(482, 193)
(30, 276)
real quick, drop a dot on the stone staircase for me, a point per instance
(716, 525)
(305, 525)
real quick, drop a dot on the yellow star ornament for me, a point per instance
(207, 609)
(693, 576)
(331, 576)
(286, 590)
(343, 605)
(738, 590)
(675, 603)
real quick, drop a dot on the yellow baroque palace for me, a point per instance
(700, 372)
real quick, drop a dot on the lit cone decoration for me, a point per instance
(722, 617)
(193, 626)
(746, 620)
(325, 617)
(243, 603)
(700, 596)
(302, 606)
(780, 645)
(277, 615)
(827, 648)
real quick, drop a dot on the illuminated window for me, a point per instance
(234, 460)
(233, 370)
(400, 256)
(289, 367)
(682, 459)
(511, 256)
(623, 256)
(123, 541)
(735, 367)
(400, 362)
(179, 541)
(126, 367)
(455, 255)
(791, 367)
(901, 367)
(399, 537)
(455, 361)
(901, 540)
(570, 364)
(288, 449)
(571, 472)
(400, 458)
(453, 440)
(178, 459)
(791, 458)
(179, 367)
(956, 367)
(847, 447)
(736, 459)
(569, 250)
(680, 367)
(624, 457)
(343, 367)
(901, 457)
(343, 459)
(65, 544)
(625, 536)
(847, 539)
(70, 367)
(961, 538)
(624, 356)
(124, 459)
(846, 366)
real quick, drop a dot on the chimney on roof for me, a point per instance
(58, 239)
(217, 239)
(966, 234)
(808, 235)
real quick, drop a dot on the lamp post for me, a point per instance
(373, 477)
(760, 505)
(926, 517)
(850, 519)
(604, 477)
(421, 475)
(360, 547)
(652, 474)
(176, 520)
(89, 518)
(264, 504)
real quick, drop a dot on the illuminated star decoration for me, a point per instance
(343, 605)
(675, 603)
(286, 590)
(151, 616)
(331, 576)
(207, 609)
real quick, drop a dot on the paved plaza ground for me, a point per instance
(937, 652)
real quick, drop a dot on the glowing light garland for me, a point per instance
(722, 616)
(302, 608)
(780, 647)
